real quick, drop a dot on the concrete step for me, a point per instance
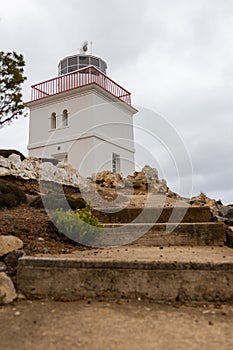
(190, 234)
(159, 215)
(168, 274)
(151, 234)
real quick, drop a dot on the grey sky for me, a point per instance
(175, 56)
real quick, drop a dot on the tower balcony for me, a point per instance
(79, 78)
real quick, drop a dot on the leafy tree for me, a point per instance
(11, 78)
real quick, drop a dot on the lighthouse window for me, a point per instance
(83, 60)
(63, 64)
(115, 163)
(53, 121)
(72, 61)
(72, 69)
(64, 71)
(94, 62)
(65, 118)
(103, 66)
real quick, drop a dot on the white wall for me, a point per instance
(97, 127)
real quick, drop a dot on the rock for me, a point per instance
(47, 171)
(60, 176)
(28, 170)
(4, 171)
(109, 179)
(11, 260)
(8, 244)
(172, 194)
(226, 215)
(3, 267)
(4, 162)
(163, 186)
(202, 200)
(229, 214)
(137, 180)
(7, 290)
(20, 296)
(27, 164)
(147, 180)
(15, 161)
(151, 173)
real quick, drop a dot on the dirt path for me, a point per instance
(115, 325)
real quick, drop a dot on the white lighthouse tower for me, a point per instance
(82, 117)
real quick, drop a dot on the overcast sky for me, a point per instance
(174, 56)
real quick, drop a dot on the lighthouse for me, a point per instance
(83, 117)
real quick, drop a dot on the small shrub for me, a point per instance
(81, 226)
(10, 195)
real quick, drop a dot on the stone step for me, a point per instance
(173, 273)
(159, 215)
(190, 234)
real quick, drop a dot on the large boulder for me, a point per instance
(7, 290)
(147, 179)
(9, 244)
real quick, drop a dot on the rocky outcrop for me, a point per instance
(10, 251)
(145, 180)
(36, 169)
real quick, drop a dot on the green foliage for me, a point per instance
(81, 226)
(11, 78)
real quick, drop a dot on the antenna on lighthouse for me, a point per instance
(84, 47)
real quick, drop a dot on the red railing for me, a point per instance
(82, 77)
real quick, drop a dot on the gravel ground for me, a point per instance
(34, 228)
(122, 325)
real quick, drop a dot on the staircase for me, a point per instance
(158, 254)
